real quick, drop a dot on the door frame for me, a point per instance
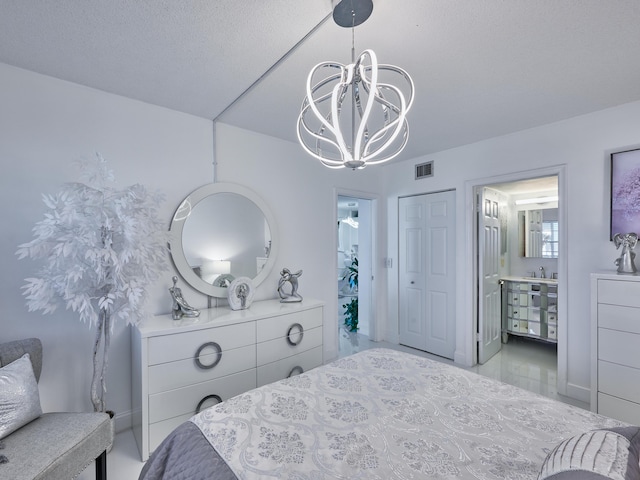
(471, 227)
(374, 327)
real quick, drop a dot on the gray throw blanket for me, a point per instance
(3, 458)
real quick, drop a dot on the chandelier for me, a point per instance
(352, 115)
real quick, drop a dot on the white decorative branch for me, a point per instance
(100, 247)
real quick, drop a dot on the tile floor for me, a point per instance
(123, 461)
(527, 364)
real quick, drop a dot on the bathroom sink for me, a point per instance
(530, 279)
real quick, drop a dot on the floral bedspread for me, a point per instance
(384, 414)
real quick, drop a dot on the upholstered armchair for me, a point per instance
(52, 445)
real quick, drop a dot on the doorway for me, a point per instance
(354, 264)
(524, 254)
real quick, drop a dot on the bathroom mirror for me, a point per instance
(538, 233)
(220, 232)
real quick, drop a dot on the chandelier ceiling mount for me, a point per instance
(351, 13)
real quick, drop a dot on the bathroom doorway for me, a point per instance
(521, 262)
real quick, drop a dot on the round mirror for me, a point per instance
(221, 232)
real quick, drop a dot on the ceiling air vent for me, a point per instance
(424, 170)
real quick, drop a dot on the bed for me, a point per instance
(384, 414)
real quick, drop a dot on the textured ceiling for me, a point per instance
(482, 68)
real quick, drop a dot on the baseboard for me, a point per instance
(392, 337)
(123, 421)
(579, 393)
(330, 355)
(460, 358)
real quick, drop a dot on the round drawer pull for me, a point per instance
(208, 397)
(215, 362)
(300, 332)
(297, 370)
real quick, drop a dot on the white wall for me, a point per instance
(46, 123)
(302, 194)
(582, 144)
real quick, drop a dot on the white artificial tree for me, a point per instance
(101, 247)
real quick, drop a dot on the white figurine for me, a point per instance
(287, 277)
(625, 262)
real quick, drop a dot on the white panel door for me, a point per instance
(489, 294)
(427, 272)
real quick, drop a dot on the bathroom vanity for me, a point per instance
(530, 308)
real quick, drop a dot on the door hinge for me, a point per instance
(478, 337)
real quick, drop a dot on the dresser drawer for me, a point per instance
(160, 430)
(618, 317)
(290, 366)
(619, 347)
(279, 348)
(278, 327)
(521, 313)
(619, 381)
(619, 409)
(168, 376)
(179, 346)
(534, 328)
(183, 401)
(619, 292)
(516, 298)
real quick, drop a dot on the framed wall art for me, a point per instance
(625, 192)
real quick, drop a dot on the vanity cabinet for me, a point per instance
(530, 308)
(615, 343)
(181, 367)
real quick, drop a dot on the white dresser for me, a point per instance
(181, 367)
(615, 346)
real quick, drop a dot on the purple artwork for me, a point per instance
(625, 192)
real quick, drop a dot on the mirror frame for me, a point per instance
(523, 239)
(177, 225)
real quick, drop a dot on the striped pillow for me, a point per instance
(611, 454)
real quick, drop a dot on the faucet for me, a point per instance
(542, 274)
